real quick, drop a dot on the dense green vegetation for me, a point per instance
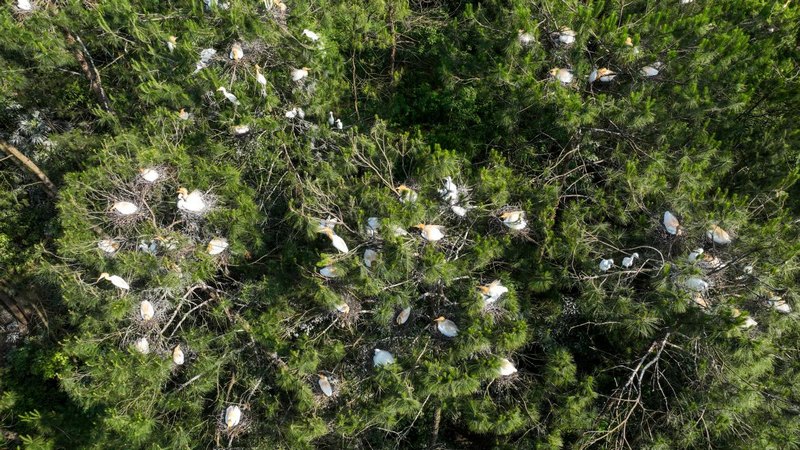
(245, 303)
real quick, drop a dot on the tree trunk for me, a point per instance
(30, 166)
(89, 69)
(437, 420)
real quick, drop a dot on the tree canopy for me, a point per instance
(400, 224)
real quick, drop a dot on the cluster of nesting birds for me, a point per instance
(566, 37)
(193, 204)
(450, 194)
(696, 285)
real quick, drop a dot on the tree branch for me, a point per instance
(25, 162)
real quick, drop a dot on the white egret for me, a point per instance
(748, 270)
(336, 240)
(146, 310)
(108, 245)
(749, 322)
(718, 235)
(431, 233)
(331, 120)
(216, 246)
(602, 74)
(606, 264)
(329, 272)
(492, 291)
(280, 5)
(696, 284)
(142, 345)
(149, 175)
(460, 211)
(651, 70)
(24, 5)
(260, 79)
(177, 355)
(151, 248)
(343, 307)
(370, 256)
(233, 415)
(695, 254)
(566, 36)
(779, 304)
(686, 2)
(629, 43)
(506, 368)
(373, 224)
(628, 260)
(205, 58)
(193, 202)
(449, 191)
(407, 195)
(514, 219)
(671, 224)
(314, 37)
(124, 208)
(446, 326)
(709, 262)
(171, 43)
(325, 385)
(236, 52)
(231, 98)
(339, 125)
(563, 75)
(183, 115)
(402, 316)
(240, 130)
(382, 358)
(116, 280)
(525, 39)
(299, 74)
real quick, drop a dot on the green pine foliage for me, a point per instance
(247, 303)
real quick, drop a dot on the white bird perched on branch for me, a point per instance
(299, 74)
(602, 74)
(565, 76)
(718, 235)
(514, 220)
(171, 43)
(177, 355)
(492, 291)
(382, 358)
(671, 224)
(506, 368)
(146, 310)
(651, 70)
(231, 98)
(205, 58)
(566, 36)
(240, 130)
(779, 304)
(343, 307)
(312, 36)
(749, 322)
(233, 415)
(325, 385)
(108, 245)
(339, 125)
(184, 115)
(458, 210)
(116, 280)
(216, 246)
(24, 5)
(373, 224)
(193, 202)
(331, 120)
(295, 113)
(449, 191)
(124, 208)
(606, 264)
(149, 175)
(628, 260)
(236, 52)
(142, 345)
(402, 316)
(329, 272)
(446, 326)
(370, 256)
(696, 284)
(525, 39)
(260, 79)
(336, 240)
(695, 254)
(407, 195)
(431, 233)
